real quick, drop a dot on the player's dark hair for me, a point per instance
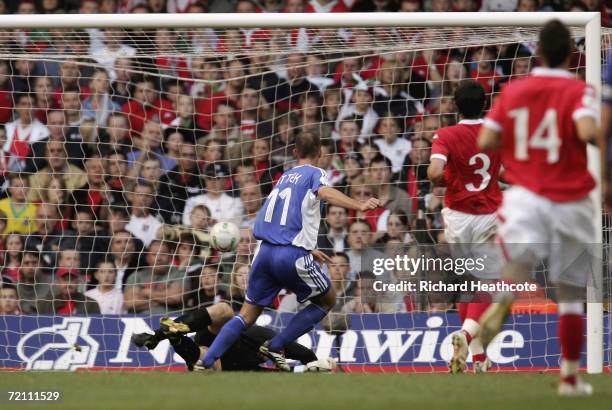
(470, 99)
(555, 43)
(307, 145)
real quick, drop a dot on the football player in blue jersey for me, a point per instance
(286, 227)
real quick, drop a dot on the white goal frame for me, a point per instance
(590, 21)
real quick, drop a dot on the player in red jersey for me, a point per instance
(541, 126)
(471, 199)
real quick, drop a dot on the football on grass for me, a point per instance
(224, 236)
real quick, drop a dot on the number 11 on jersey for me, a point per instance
(285, 195)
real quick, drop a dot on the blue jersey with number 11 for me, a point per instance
(291, 214)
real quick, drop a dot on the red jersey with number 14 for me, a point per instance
(471, 175)
(541, 150)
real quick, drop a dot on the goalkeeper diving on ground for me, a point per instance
(242, 355)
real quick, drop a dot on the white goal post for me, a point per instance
(589, 22)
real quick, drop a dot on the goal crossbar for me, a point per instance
(290, 20)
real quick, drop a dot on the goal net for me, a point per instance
(122, 147)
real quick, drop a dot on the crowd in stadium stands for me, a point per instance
(115, 168)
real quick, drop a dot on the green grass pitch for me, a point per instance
(269, 391)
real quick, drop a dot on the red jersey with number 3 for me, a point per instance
(471, 175)
(541, 150)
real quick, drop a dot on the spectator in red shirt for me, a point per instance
(233, 73)
(146, 106)
(166, 57)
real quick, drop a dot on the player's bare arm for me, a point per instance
(335, 197)
(588, 131)
(435, 171)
